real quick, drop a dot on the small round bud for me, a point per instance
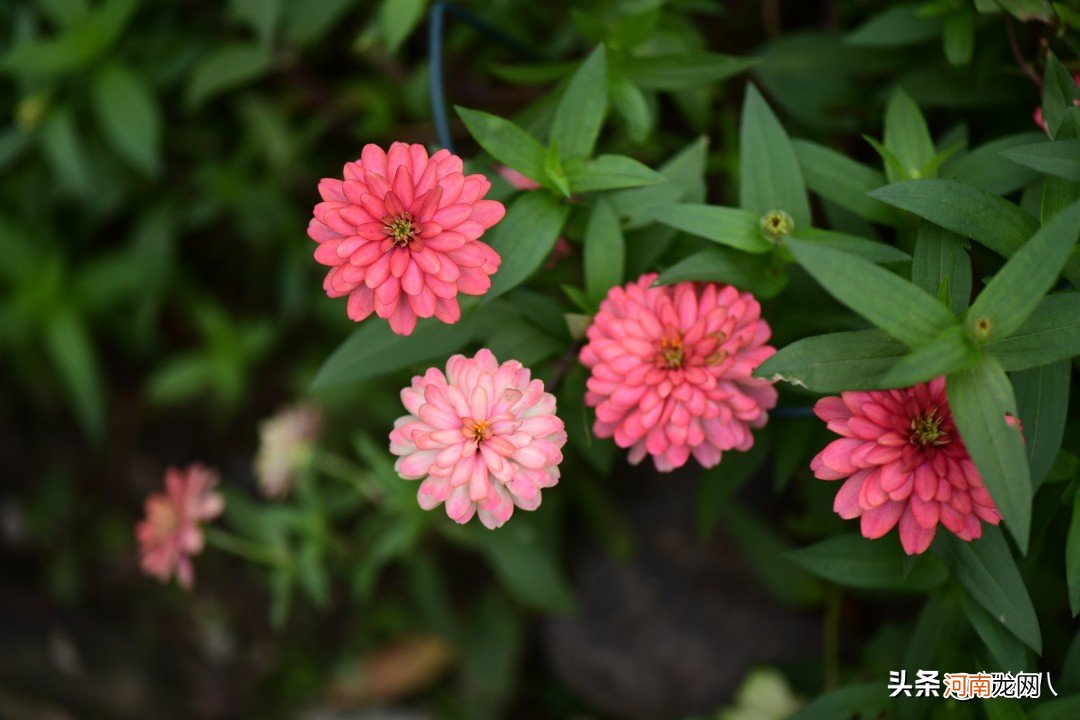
(981, 327)
(775, 224)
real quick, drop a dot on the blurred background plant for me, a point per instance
(158, 301)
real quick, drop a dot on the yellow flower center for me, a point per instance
(671, 352)
(478, 430)
(402, 228)
(926, 430)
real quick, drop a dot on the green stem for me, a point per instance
(241, 547)
(833, 604)
(347, 471)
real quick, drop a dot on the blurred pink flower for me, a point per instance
(401, 235)
(904, 462)
(484, 437)
(171, 535)
(286, 442)
(516, 179)
(671, 371)
(1037, 115)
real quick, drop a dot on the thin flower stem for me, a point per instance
(833, 604)
(241, 547)
(1018, 54)
(347, 471)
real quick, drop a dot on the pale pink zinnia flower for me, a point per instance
(672, 371)
(171, 535)
(483, 436)
(286, 442)
(401, 235)
(904, 462)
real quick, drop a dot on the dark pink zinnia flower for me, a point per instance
(905, 463)
(401, 235)
(672, 371)
(171, 534)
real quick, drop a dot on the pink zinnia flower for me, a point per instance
(286, 445)
(401, 235)
(170, 535)
(904, 462)
(483, 436)
(672, 371)
(1037, 115)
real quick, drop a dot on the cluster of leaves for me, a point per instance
(170, 165)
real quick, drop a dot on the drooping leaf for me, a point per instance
(835, 362)
(733, 227)
(1060, 157)
(854, 561)
(1006, 649)
(981, 399)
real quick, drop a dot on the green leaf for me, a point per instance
(60, 139)
(1051, 333)
(1007, 650)
(553, 170)
(1059, 92)
(940, 257)
(854, 561)
(1060, 157)
(871, 250)
(1016, 290)
(905, 311)
(1042, 398)
(752, 273)
(375, 350)
(506, 142)
(226, 68)
(678, 72)
(632, 107)
(959, 37)
(73, 355)
(835, 362)
(75, 47)
(129, 116)
(396, 20)
(865, 701)
(524, 238)
(685, 181)
(965, 210)
(846, 182)
(582, 109)
(987, 572)
(261, 15)
(1072, 557)
(985, 168)
(949, 352)
(896, 27)
(907, 136)
(523, 342)
(526, 568)
(608, 172)
(733, 227)
(769, 175)
(605, 251)
(981, 398)
(766, 552)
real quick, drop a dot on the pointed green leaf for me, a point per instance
(733, 227)
(631, 105)
(226, 68)
(769, 175)
(896, 27)
(1042, 397)
(875, 252)
(981, 399)
(685, 175)
(853, 561)
(985, 168)
(583, 107)
(1051, 333)
(905, 311)
(506, 142)
(1060, 157)
(835, 362)
(906, 135)
(1008, 652)
(836, 177)
(129, 116)
(752, 273)
(609, 172)
(688, 70)
(73, 355)
(525, 238)
(605, 251)
(950, 351)
(939, 257)
(1013, 294)
(1059, 92)
(958, 37)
